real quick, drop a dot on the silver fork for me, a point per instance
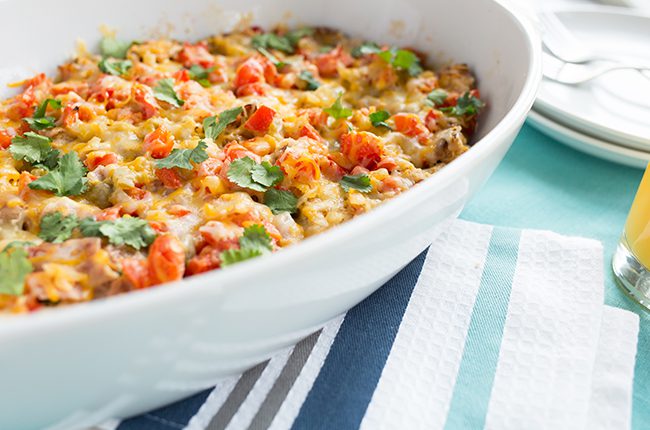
(574, 74)
(588, 65)
(562, 43)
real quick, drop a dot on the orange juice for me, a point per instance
(637, 227)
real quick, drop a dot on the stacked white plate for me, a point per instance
(610, 116)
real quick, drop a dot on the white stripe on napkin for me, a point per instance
(611, 397)
(242, 419)
(295, 398)
(543, 376)
(212, 404)
(418, 379)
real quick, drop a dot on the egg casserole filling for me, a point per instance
(157, 160)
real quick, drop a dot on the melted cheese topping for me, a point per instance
(110, 122)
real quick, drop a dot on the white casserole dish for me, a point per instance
(78, 365)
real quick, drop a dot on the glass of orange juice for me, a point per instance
(631, 261)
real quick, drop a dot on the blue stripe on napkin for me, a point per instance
(347, 380)
(174, 416)
(471, 395)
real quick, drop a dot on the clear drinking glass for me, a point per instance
(631, 261)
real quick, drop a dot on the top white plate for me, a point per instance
(615, 107)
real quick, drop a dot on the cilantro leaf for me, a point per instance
(200, 74)
(359, 182)
(280, 201)
(254, 242)
(90, 227)
(213, 127)
(294, 36)
(365, 49)
(67, 179)
(165, 92)
(337, 111)
(437, 97)
(183, 158)
(39, 120)
(312, 83)
(467, 104)
(32, 148)
(115, 67)
(14, 268)
(407, 60)
(266, 174)
(246, 173)
(135, 232)
(378, 119)
(232, 256)
(402, 59)
(51, 161)
(57, 228)
(272, 41)
(112, 47)
(239, 172)
(40, 123)
(256, 237)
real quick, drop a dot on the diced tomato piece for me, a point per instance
(270, 71)
(249, 72)
(136, 271)
(181, 76)
(206, 260)
(166, 259)
(98, 158)
(75, 112)
(137, 193)
(409, 124)
(362, 148)
(430, 120)
(159, 143)
(159, 226)
(178, 210)
(112, 90)
(254, 89)
(260, 120)
(328, 62)
(169, 178)
(309, 131)
(193, 55)
(24, 103)
(5, 137)
(144, 98)
(109, 214)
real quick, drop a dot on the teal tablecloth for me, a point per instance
(543, 184)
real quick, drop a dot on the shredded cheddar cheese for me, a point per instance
(229, 148)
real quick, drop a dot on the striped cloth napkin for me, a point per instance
(490, 328)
